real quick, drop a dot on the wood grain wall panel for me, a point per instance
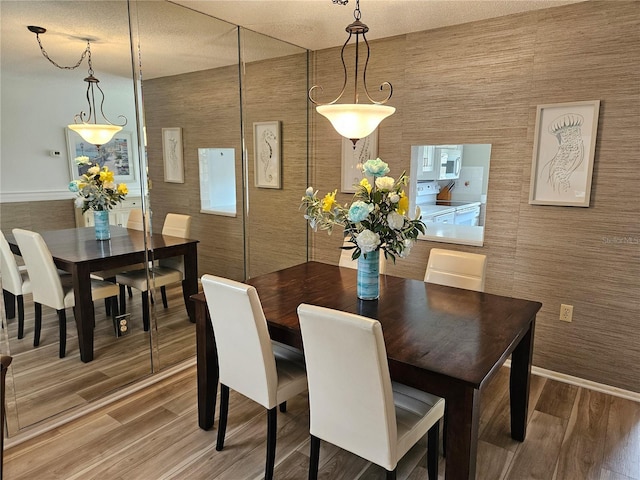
(46, 215)
(480, 83)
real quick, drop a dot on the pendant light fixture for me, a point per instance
(86, 123)
(355, 120)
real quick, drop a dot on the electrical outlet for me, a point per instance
(566, 312)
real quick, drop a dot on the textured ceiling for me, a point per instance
(174, 39)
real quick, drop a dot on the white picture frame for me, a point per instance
(118, 154)
(353, 158)
(172, 155)
(563, 153)
(267, 154)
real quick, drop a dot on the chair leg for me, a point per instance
(38, 324)
(314, 458)
(163, 292)
(224, 410)
(444, 433)
(62, 323)
(114, 313)
(20, 299)
(391, 475)
(130, 292)
(283, 407)
(123, 300)
(272, 430)
(433, 439)
(9, 304)
(107, 306)
(145, 310)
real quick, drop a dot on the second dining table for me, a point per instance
(76, 250)
(443, 340)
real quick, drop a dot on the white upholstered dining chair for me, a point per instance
(353, 402)
(15, 282)
(52, 289)
(267, 372)
(456, 269)
(166, 271)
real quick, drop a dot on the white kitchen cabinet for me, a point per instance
(117, 216)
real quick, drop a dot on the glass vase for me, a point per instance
(101, 223)
(368, 286)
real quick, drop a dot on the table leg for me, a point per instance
(207, 366)
(83, 311)
(519, 384)
(463, 420)
(190, 282)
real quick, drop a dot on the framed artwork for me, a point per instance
(118, 155)
(563, 153)
(172, 155)
(353, 158)
(267, 154)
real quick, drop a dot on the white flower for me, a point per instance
(395, 220)
(394, 198)
(385, 183)
(82, 160)
(367, 241)
(93, 170)
(309, 192)
(79, 201)
(110, 185)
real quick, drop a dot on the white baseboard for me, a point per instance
(581, 382)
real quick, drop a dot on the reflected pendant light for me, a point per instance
(354, 120)
(86, 123)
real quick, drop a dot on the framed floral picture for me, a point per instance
(353, 158)
(172, 155)
(267, 160)
(118, 155)
(563, 154)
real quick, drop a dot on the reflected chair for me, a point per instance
(456, 269)
(353, 402)
(15, 284)
(267, 372)
(52, 289)
(347, 261)
(166, 271)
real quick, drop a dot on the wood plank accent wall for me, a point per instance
(481, 83)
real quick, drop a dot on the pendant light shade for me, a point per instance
(95, 133)
(354, 120)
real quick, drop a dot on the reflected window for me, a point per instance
(217, 181)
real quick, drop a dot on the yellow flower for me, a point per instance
(122, 189)
(403, 204)
(329, 201)
(365, 183)
(106, 175)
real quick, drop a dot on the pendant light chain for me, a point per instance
(62, 67)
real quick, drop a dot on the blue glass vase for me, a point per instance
(101, 223)
(368, 286)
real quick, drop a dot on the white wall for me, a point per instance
(35, 111)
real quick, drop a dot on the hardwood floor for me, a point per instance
(46, 385)
(573, 433)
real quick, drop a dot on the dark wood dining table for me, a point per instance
(76, 250)
(443, 340)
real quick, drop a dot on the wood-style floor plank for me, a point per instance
(154, 434)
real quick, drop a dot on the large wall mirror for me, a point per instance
(449, 184)
(187, 76)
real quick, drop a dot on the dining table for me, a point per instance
(76, 251)
(443, 340)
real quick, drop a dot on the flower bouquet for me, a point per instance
(376, 219)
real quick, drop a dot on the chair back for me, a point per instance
(350, 393)
(45, 280)
(135, 220)
(456, 269)
(176, 225)
(245, 355)
(11, 276)
(346, 261)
